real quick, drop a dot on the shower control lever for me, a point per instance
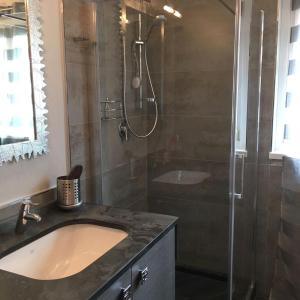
(123, 132)
(139, 42)
(150, 99)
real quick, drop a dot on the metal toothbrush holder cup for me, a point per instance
(68, 192)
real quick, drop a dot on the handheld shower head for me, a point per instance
(159, 20)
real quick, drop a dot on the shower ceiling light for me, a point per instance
(169, 9)
(172, 11)
(177, 14)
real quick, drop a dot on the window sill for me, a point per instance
(241, 153)
(276, 156)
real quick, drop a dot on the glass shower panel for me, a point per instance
(188, 154)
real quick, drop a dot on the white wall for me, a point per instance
(32, 176)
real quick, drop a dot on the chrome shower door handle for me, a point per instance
(240, 195)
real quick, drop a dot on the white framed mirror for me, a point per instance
(23, 113)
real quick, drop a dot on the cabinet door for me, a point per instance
(153, 275)
(117, 291)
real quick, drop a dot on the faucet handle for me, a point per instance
(28, 201)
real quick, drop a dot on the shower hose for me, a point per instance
(126, 119)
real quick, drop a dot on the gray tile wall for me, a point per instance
(119, 168)
(124, 164)
(286, 280)
(83, 112)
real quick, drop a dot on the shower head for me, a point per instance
(159, 20)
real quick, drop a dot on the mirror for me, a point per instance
(22, 100)
(16, 97)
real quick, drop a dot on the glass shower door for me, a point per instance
(244, 152)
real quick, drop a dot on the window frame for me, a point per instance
(243, 78)
(284, 21)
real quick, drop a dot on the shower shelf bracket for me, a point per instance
(111, 109)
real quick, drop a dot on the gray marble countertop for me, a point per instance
(143, 230)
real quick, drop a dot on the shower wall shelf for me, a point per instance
(111, 109)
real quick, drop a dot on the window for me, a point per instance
(243, 72)
(286, 127)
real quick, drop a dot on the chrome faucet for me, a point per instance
(26, 215)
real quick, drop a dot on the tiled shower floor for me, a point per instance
(190, 286)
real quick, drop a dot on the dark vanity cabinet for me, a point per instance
(151, 277)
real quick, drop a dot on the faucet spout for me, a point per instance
(33, 217)
(26, 215)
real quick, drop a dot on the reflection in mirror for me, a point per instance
(16, 92)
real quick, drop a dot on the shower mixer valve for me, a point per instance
(123, 132)
(150, 99)
(139, 42)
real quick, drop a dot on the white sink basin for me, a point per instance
(63, 252)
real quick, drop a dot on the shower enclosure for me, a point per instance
(173, 91)
(174, 129)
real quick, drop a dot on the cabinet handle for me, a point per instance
(144, 275)
(126, 293)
